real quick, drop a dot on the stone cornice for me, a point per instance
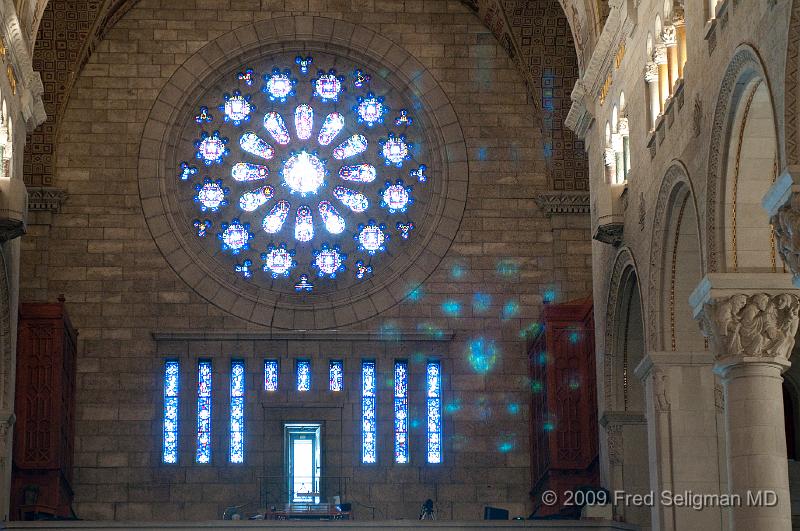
(29, 83)
(45, 198)
(563, 202)
(301, 335)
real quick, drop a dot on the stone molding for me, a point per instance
(46, 198)
(563, 202)
(301, 335)
(260, 305)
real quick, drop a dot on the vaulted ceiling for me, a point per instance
(549, 40)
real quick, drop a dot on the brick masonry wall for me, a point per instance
(99, 253)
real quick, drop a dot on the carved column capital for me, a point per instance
(651, 72)
(669, 36)
(751, 327)
(660, 54)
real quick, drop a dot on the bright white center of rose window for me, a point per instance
(304, 173)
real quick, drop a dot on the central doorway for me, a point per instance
(302, 443)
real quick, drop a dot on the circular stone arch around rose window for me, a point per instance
(299, 183)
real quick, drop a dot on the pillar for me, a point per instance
(679, 20)
(660, 59)
(751, 321)
(651, 78)
(669, 38)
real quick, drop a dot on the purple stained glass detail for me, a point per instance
(329, 261)
(327, 87)
(419, 173)
(355, 201)
(371, 238)
(333, 123)
(187, 171)
(203, 454)
(351, 147)
(303, 224)
(271, 375)
(211, 195)
(360, 79)
(359, 173)
(395, 150)
(279, 85)
(211, 148)
(237, 412)
(169, 452)
(237, 108)
(274, 220)
(303, 121)
(303, 375)
(235, 236)
(202, 227)
(254, 145)
(369, 424)
(276, 127)
(396, 197)
(336, 376)
(401, 412)
(204, 116)
(278, 261)
(253, 199)
(334, 222)
(433, 375)
(370, 110)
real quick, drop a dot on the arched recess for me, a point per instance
(676, 265)
(625, 442)
(743, 164)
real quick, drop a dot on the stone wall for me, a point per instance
(99, 253)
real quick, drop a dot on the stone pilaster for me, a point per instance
(751, 329)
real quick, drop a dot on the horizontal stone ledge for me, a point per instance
(300, 335)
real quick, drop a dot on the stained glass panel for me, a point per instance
(369, 428)
(203, 412)
(237, 412)
(336, 375)
(401, 411)
(170, 435)
(433, 376)
(271, 375)
(303, 370)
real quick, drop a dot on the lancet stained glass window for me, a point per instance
(237, 411)
(203, 412)
(274, 164)
(303, 369)
(336, 375)
(401, 411)
(369, 426)
(170, 435)
(433, 375)
(271, 371)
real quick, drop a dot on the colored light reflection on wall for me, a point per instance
(510, 309)
(507, 268)
(482, 354)
(451, 308)
(481, 302)
(415, 294)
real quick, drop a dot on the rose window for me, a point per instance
(305, 175)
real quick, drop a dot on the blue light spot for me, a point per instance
(507, 268)
(482, 153)
(451, 308)
(513, 408)
(530, 331)
(505, 447)
(549, 426)
(432, 330)
(458, 271)
(416, 294)
(481, 302)
(510, 309)
(453, 406)
(536, 386)
(482, 354)
(549, 296)
(574, 337)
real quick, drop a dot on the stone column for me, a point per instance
(670, 40)
(682, 435)
(651, 77)
(751, 321)
(660, 59)
(679, 20)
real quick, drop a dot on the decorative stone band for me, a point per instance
(563, 202)
(46, 198)
(651, 72)
(755, 325)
